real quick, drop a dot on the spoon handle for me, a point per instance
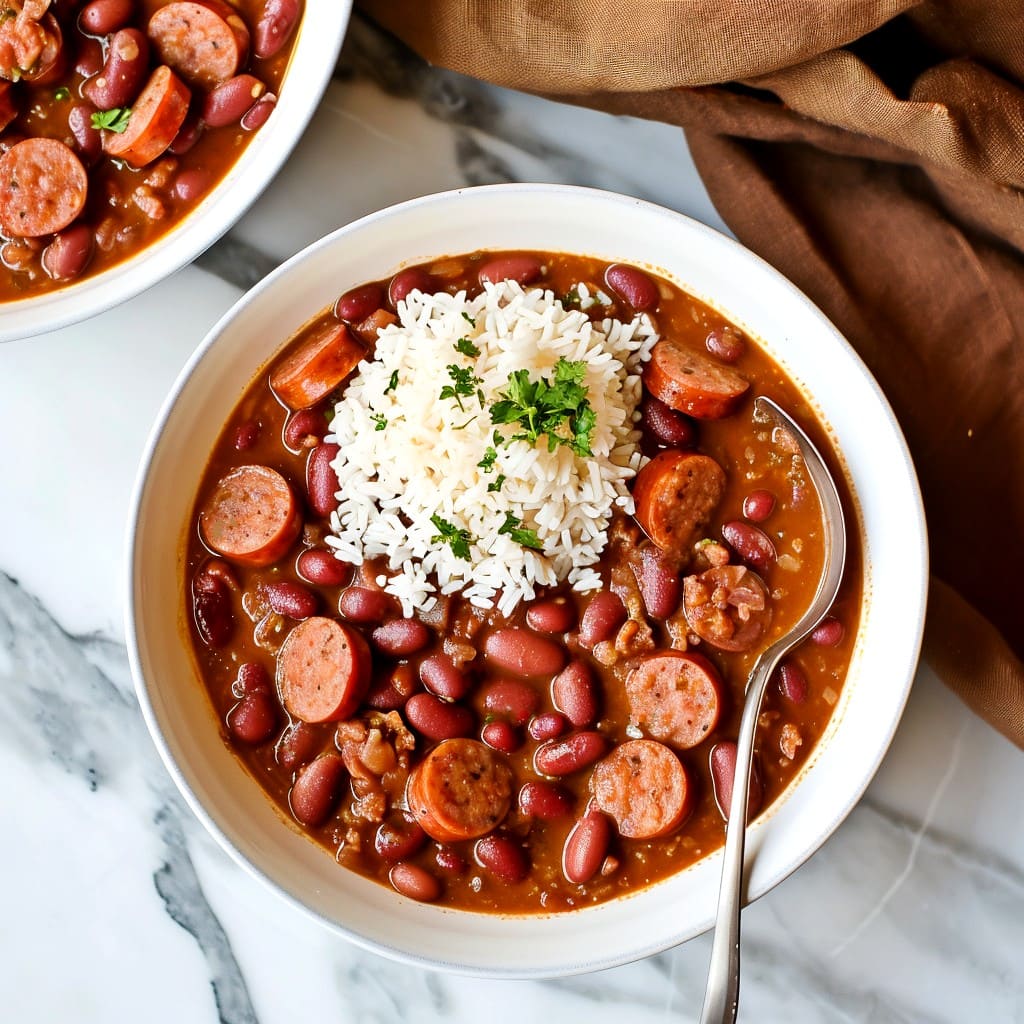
(721, 997)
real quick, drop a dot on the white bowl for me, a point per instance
(888, 516)
(313, 59)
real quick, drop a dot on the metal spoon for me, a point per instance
(721, 997)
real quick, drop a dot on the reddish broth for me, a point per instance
(538, 840)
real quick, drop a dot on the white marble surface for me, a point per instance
(118, 907)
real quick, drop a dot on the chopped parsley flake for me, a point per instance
(466, 347)
(470, 320)
(487, 462)
(514, 528)
(380, 419)
(496, 484)
(113, 120)
(448, 533)
(464, 383)
(63, 93)
(393, 383)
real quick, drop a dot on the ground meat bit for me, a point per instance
(634, 637)
(149, 203)
(789, 740)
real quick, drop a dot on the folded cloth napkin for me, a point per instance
(873, 151)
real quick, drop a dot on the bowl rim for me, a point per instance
(919, 556)
(315, 56)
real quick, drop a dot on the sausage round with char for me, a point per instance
(43, 188)
(692, 382)
(154, 122)
(206, 43)
(315, 369)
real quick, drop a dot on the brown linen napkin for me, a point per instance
(873, 151)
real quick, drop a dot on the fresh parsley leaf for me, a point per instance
(514, 528)
(62, 93)
(487, 462)
(495, 485)
(380, 419)
(466, 347)
(464, 382)
(392, 383)
(571, 299)
(462, 426)
(448, 533)
(470, 320)
(113, 120)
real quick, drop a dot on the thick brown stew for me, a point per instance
(582, 748)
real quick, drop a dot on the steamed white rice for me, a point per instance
(424, 460)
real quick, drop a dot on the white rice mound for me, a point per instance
(424, 462)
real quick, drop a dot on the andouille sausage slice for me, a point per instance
(156, 117)
(644, 787)
(676, 494)
(323, 670)
(43, 188)
(727, 606)
(317, 367)
(675, 697)
(206, 43)
(692, 382)
(252, 516)
(460, 790)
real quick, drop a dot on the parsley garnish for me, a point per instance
(448, 533)
(514, 528)
(63, 93)
(487, 462)
(544, 406)
(393, 383)
(495, 485)
(470, 320)
(466, 347)
(571, 299)
(380, 419)
(464, 383)
(114, 120)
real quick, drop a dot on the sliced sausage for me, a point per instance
(206, 43)
(317, 367)
(252, 516)
(676, 494)
(643, 786)
(727, 606)
(157, 115)
(675, 697)
(53, 56)
(460, 790)
(323, 670)
(43, 188)
(692, 382)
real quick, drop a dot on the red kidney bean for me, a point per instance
(449, 861)
(321, 480)
(503, 858)
(400, 637)
(828, 633)
(405, 281)
(366, 605)
(586, 847)
(547, 726)
(188, 135)
(305, 429)
(253, 719)
(355, 305)
(751, 543)
(121, 78)
(660, 585)
(88, 56)
(758, 505)
(523, 653)
(246, 435)
(88, 141)
(298, 746)
(501, 736)
(555, 615)
(436, 719)
(415, 882)
(69, 252)
(259, 113)
(565, 756)
(392, 694)
(316, 789)
(399, 839)
(792, 682)
(574, 693)
(191, 184)
(104, 16)
(601, 619)
(227, 103)
(274, 25)
(291, 599)
(545, 800)
(723, 774)
(668, 426)
(725, 344)
(319, 566)
(211, 607)
(252, 678)
(221, 570)
(512, 699)
(632, 285)
(523, 269)
(441, 676)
